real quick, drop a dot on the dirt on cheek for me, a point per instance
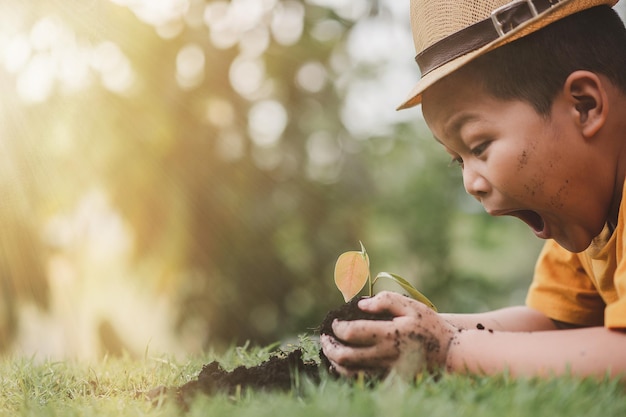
(522, 160)
(556, 200)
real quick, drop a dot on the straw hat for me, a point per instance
(450, 33)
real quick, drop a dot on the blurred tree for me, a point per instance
(244, 145)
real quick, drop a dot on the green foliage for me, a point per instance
(406, 286)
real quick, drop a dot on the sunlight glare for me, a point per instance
(17, 53)
(35, 83)
(255, 42)
(266, 122)
(288, 22)
(73, 69)
(46, 33)
(190, 64)
(49, 52)
(247, 75)
(156, 12)
(311, 77)
(327, 30)
(245, 14)
(223, 33)
(241, 21)
(113, 66)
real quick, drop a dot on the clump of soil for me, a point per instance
(348, 311)
(277, 373)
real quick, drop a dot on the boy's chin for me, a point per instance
(574, 245)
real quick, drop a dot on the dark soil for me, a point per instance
(348, 311)
(279, 372)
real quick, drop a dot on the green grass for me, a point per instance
(43, 388)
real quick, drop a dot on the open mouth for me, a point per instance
(531, 218)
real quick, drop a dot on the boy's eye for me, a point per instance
(478, 150)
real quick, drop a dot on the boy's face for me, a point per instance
(519, 163)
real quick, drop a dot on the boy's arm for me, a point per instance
(593, 351)
(512, 319)
(519, 340)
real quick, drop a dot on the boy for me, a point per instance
(529, 98)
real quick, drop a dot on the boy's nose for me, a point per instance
(474, 183)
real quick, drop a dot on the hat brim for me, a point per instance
(551, 15)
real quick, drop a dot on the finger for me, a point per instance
(392, 303)
(338, 370)
(355, 358)
(328, 348)
(362, 333)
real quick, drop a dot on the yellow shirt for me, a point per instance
(586, 288)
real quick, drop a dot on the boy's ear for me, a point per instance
(587, 93)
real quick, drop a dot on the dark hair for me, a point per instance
(535, 67)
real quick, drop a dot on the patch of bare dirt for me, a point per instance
(277, 373)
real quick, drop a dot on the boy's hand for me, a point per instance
(416, 339)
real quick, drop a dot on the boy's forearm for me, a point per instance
(512, 319)
(595, 351)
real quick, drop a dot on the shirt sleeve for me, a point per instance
(562, 290)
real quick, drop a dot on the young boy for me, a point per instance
(529, 98)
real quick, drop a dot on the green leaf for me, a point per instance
(406, 285)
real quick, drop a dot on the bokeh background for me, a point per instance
(181, 175)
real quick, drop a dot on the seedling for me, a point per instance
(352, 272)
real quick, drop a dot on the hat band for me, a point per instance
(502, 20)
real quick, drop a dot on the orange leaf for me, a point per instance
(351, 273)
